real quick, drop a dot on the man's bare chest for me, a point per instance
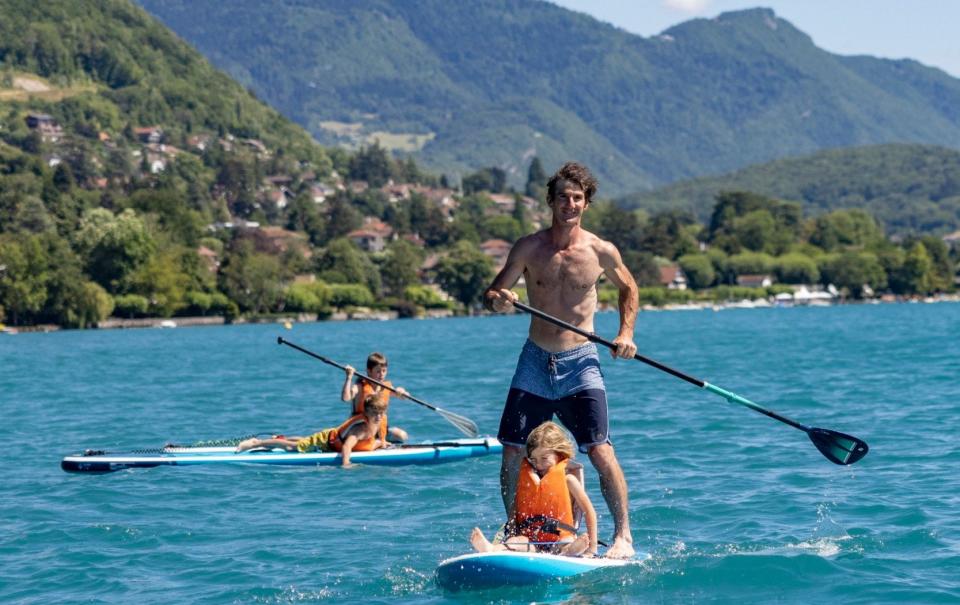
(568, 270)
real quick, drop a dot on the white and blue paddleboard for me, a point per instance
(430, 452)
(507, 568)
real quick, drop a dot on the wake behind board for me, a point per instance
(506, 568)
(429, 452)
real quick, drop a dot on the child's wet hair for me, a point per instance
(551, 436)
(376, 402)
(376, 359)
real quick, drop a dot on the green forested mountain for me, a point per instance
(109, 65)
(120, 148)
(908, 188)
(492, 82)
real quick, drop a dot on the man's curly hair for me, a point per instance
(574, 173)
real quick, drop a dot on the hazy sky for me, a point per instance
(925, 30)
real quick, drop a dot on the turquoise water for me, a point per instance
(733, 506)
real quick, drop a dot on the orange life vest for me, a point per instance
(367, 389)
(536, 503)
(362, 445)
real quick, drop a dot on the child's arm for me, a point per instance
(349, 389)
(348, 444)
(590, 515)
(401, 392)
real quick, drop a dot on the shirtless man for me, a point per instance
(558, 371)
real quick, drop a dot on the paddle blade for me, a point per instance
(464, 425)
(838, 448)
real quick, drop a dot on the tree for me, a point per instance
(23, 277)
(370, 164)
(750, 263)
(253, 280)
(502, 227)
(725, 230)
(342, 217)
(401, 267)
(665, 234)
(491, 179)
(302, 215)
(114, 246)
(536, 186)
(796, 268)
(344, 263)
(465, 272)
(917, 275)
(698, 269)
(852, 270)
(843, 228)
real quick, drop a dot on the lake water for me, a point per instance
(733, 506)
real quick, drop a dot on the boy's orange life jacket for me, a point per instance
(362, 445)
(367, 389)
(550, 498)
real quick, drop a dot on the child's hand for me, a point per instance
(402, 392)
(349, 370)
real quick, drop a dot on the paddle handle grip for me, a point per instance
(282, 341)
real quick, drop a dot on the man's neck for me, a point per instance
(563, 236)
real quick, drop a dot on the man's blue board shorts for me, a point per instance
(569, 384)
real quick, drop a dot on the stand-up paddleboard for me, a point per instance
(430, 452)
(507, 568)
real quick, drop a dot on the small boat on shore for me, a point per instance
(428, 452)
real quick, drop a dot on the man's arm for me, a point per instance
(498, 297)
(628, 302)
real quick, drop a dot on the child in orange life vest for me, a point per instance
(542, 512)
(361, 433)
(358, 393)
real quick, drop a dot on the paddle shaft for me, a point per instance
(731, 397)
(280, 340)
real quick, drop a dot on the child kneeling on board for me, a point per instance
(548, 487)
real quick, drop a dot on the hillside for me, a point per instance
(908, 188)
(497, 81)
(116, 66)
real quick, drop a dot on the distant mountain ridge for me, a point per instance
(908, 188)
(493, 82)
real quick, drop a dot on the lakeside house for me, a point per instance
(497, 250)
(46, 125)
(673, 277)
(372, 236)
(754, 281)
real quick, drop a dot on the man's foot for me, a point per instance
(620, 549)
(479, 541)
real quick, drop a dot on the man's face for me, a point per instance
(569, 204)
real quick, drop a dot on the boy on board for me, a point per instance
(358, 393)
(541, 517)
(361, 433)
(559, 371)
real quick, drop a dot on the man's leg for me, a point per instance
(509, 470)
(613, 486)
(521, 414)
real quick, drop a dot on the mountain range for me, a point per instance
(461, 85)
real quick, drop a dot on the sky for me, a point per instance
(925, 30)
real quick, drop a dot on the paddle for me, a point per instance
(837, 447)
(464, 425)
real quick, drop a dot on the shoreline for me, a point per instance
(116, 323)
